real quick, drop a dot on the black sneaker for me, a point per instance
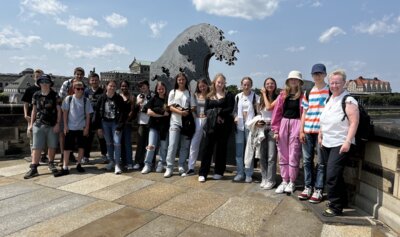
(189, 173)
(62, 172)
(52, 167)
(79, 168)
(44, 160)
(31, 173)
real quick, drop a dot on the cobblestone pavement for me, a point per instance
(97, 203)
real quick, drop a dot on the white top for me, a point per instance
(245, 105)
(334, 130)
(181, 98)
(143, 118)
(266, 115)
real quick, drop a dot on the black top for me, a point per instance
(94, 96)
(291, 108)
(46, 107)
(110, 109)
(161, 124)
(226, 106)
(27, 97)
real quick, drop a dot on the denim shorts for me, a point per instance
(44, 135)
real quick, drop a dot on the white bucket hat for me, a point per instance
(295, 75)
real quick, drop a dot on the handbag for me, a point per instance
(188, 124)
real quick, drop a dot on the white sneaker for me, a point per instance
(160, 167)
(263, 183)
(317, 196)
(85, 161)
(146, 169)
(217, 176)
(290, 188)
(306, 194)
(168, 173)
(269, 185)
(136, 167)
(238, 178)
(110, 166)
(118, 169)
(202, 179)
(181, 170)
(248, 179)
(130, 167)
(281, 188)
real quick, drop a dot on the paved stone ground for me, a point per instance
(97, 203)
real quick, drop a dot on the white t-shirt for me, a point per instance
(180, 98)
(76, 113)
(143, 118)
(334, 130)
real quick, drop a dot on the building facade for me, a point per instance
(368, 86)
(138, 71)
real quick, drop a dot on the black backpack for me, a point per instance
(365, 127)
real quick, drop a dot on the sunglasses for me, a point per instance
(79, 89)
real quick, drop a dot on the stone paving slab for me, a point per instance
(158, 177)
(119, 223)
(290, 218)
(14, 170)
(18, 188)
(121, 189)
(193, 182)
(197, 230)
(10, 162)
(229, 187)
(42, 170)
(163, 226)
(193, 205)
(94, 183)
(345, 230)
(6, 181)
(51, 181)
(28, 200)
(149, 197)
(27, 217)
(242, 214)
(69, 221)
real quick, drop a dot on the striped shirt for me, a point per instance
(313, 107)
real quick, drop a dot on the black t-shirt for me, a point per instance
(94, 96)
(291, 108)
(46, 107)
(27, 97)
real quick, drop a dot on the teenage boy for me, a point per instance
(313, 104)
(27, 99)
(93, 93)
(65, 90)
(76, 114)
(44, 125)
(143, 121)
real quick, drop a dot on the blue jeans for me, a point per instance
(127, 139)
(268, 156)
(311, 143)
(175, 139)
(113, 140)
(154, 140)
(241, 138)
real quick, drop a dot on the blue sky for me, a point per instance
(273, 36)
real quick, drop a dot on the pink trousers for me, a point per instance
(289, 148)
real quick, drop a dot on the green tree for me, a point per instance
(233, 89)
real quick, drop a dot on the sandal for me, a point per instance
(330, 213)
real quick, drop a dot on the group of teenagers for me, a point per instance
(290, 124)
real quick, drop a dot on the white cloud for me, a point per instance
(27, 61)
(357, 65)
(115, 20)
(57, 47)
(106, 50)
(263, 55)
(232, 32)
(327, 35)
(45, 7)
(316, 4)
(294, 49)
(388, 25)
(156, 28)
(83, 26)
(247, 9)
(12, 38)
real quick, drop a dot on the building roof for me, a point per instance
(360, 81)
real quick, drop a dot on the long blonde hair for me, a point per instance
(299, 89)
(213, 90)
